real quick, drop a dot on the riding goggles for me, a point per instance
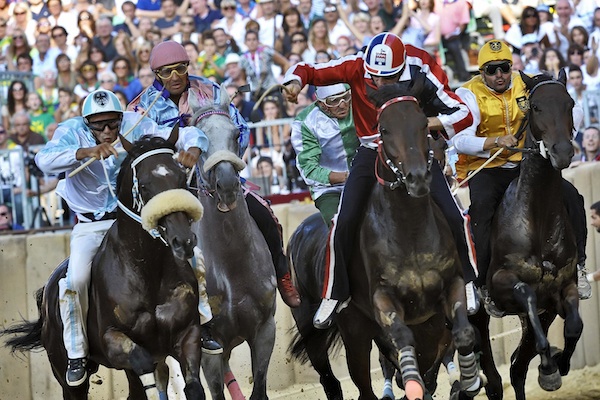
(167, 71)
(337, 100)
(492, 69)
(101, 125)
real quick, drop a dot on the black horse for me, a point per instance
(406, 279)
(143, 293)
(532, 271)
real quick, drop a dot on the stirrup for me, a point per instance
(472, 298)
(583, 285)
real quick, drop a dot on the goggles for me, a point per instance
(167, 71)
(88, 68)
(101, 125)
(338, 99)
(492, 69)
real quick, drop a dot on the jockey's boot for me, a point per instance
(489, 305)
(209, 345)
(583, 285)
(325, 313)
(76, 371)
(472, 298)
(288, 291)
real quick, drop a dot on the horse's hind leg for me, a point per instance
(320, 362)
(261, 348)
(188, 352)
(388, 370)
(572, 329)
(493, 389)
(212, 365)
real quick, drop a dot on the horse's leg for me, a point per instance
(212, 365)
(232, 386)
(122, 352)
(187, 352)
(572, 329)
(390, 317)
(463, 337)
(161, 373)
(493, 388)
(136, 389)
(261, 348)
(388, 370)
(320, 362)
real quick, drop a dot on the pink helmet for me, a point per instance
(385, 55)
(167, 53)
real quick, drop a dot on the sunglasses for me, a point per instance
(88, 68)
(530, 15)
(298, 41)
(228, 8)
(576, 52)
(330, 9)
(107, 81)
(19, 37)
(18, 88)
(84, 17)
(57, 35)
(167, 71)
(101, 125)
(2, 132)
(492, 69)
(20, 12)
(335, 101)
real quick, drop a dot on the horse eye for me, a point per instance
(383, 131)
(534, 107)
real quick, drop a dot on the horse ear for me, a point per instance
(193, 100)
(371, 93)
(562, 76)
(126, 143)
(174, 135)
(529, 82)
(225, 100)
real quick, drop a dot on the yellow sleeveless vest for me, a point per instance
(501, 114)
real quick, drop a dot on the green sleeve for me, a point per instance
(309, 157)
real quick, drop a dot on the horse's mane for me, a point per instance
(414, 87)
(141, 146)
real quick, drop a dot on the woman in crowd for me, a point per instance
(211, 63)
(575, 55)
(126, 81)
(232, 23)
(67, 106)
(125, 49)
(48, 90)
(88, 73)
(22, 20)
(39, 116)
(579, 35)
(83, 45)
(18, 45)
(142, 56)
(188, 31)
(552, 61)
(98, 57)
(65, 75)
(318, 37)
(15, 102)
(86, 24)
(424, 17)
(360, 26)
(292, 23)
(530, 25)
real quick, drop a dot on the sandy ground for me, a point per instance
(582, 384)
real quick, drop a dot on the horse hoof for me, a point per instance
(549, 382)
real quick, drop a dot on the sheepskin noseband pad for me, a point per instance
(168, 202)
(223, 155)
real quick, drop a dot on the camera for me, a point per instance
(32, 167)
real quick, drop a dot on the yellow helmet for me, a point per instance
(494, 50)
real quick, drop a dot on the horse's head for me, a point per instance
(220, 164)
(152, 184)
(550, 118)
(404, 152)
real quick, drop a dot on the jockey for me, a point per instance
(497, 99)
(386, 61)
(324, 138)
(170, 62)
(89, 195)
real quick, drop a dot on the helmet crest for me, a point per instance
(385, 55)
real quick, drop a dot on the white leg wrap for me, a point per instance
(199, 267)
(149, 383)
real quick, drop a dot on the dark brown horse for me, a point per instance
(143, 293)
(405, 277)
(532, 271)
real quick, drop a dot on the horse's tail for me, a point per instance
(28, 334)
(311, 342)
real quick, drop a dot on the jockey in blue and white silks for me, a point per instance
(91, 195)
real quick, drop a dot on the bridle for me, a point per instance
(382, 157)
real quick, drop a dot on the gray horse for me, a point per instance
(239, 269)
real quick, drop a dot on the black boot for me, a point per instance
(209, 345)
(76, 371)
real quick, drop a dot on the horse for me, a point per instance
(240, 274)
(532, 271)
(143, 294)
(405, 277)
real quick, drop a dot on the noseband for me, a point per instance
(383, 157)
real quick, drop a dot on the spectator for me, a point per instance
(125, 49)
(490, 9)
(360, 27)
(211, 63)
(142, 56)
(15, 102)
(204, 16)
(530, 28)
(86, 24)
(60, 18)
(187, 32)
(6, 220)
(126, 81)
(590, 145)
(65, 77)
(591, 75)
(564, 23)
(130, 21)
(225, 43)
(318, 37)
(322, 57)
(154, 36)
(233, 24)
(39, 9)
(42, 26)
(247, 9)
(19, 45)
(269, 180)
(595, 31)
(425, 18)
(324, 139)
(270, 22)
(5, 11)
(244, 106)
(342, 45)
(144, 26)
(575, 55)
(22, 21)
(4, 45)
(67, 106)
(384, 10)
(595, 217)
(191, 49)
(236, 75)
(517, 62)
(454, 17)
(307, 14)
(104, 39)
(169, 23)
(146, 77)
(108, 80)
(258, 62)
(291, 24)
(376, 25)
(552, 61)
(270, 139)
(39, 117)
(24, 136)
(59, 37)
(96, 55)
(576, 85)
(580, 36)
(88, 78)
(11, 168)
(335, 26)
(48, 90)
(83, 44)
(43, 56)
(122, 98)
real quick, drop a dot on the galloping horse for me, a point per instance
(532, 271)
(239, 270)
(405, 277)
(143, 294)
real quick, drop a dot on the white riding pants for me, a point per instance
(86, 238)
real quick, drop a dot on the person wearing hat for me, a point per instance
(497, 99)
(325, 141)
(74, 142)
(169, 61)
(386, 61)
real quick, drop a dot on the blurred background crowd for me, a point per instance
(54, 52)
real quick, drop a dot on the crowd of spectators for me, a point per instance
(72, 47)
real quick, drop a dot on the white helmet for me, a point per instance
(100, 101)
